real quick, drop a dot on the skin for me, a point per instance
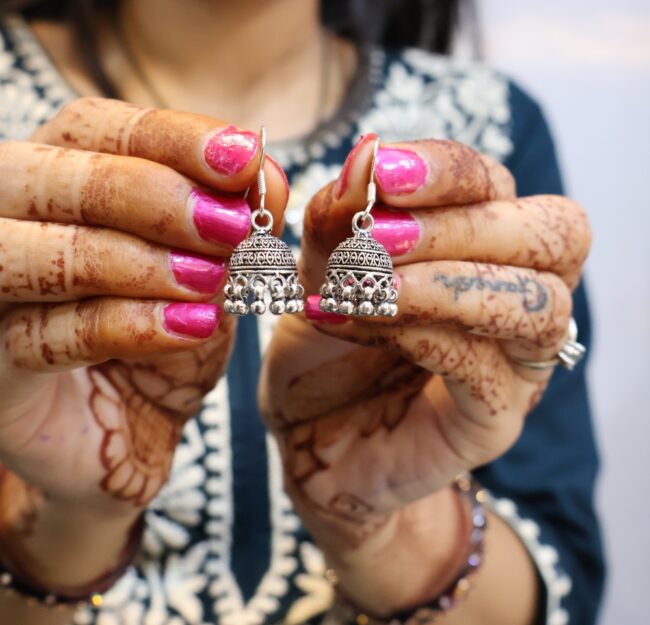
(92, 408)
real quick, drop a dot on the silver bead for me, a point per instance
(384, 309)
(258, 307)
(278, 306)
(366, 309)
(240, 308)
(328, 304)
(294, 306)
(346, 308)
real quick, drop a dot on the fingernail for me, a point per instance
(343, 181)
(396, 230)
(220, 218)
(400, 171)
(197, 321)
(199, 273)
(314, 313)
(230, 150)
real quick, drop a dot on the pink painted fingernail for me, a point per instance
(314, 313)
(220, 218)
(199, 273)
(197, 321)
(400, 171)
(396, 230)
(230, 150)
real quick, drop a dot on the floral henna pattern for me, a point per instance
(349, 506)
(139, 437)
(141, 407)
(313, 448)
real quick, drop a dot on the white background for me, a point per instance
(588, 61)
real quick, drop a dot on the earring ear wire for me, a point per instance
(262, 265)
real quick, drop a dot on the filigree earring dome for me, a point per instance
(359, 278)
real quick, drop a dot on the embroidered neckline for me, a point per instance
(331, 132)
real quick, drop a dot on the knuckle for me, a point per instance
(554, 331)
(564, 229)
(88, 315)
(501, 179)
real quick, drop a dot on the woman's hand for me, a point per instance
(373, 428)
(115, 228)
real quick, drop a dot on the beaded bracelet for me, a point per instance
(456, 592)
(92, 593)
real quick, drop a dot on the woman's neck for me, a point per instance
(248, 62)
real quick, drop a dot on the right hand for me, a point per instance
(100, 228)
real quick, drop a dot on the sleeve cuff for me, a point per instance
(556, 583)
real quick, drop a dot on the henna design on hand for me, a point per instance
(139, 437)
(461, 358)
(349, 506)
(142, 408)
(314, 447)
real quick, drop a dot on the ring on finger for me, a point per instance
(571, 353)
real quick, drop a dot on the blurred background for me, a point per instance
(588, 62)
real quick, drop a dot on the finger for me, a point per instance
(502, 302)
(423, 173)
(123, 193)
(460, 176)
(55, 337)
(207, 150)
(546, 233)
(476, 369)
(52, 262)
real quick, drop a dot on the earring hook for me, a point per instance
(261, 178)
(364, 217)
(261, 188)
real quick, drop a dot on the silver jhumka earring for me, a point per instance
(263, 265)
(359, 277)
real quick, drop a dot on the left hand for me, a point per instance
(373, 428)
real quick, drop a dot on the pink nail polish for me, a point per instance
(220, 218)
(314, 313)
(400, 171)
(199, 273)
(396, 230)
(197, 321)
(230, 150)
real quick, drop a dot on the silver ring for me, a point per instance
(568, 357)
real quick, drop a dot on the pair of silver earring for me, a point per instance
(358, 279)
